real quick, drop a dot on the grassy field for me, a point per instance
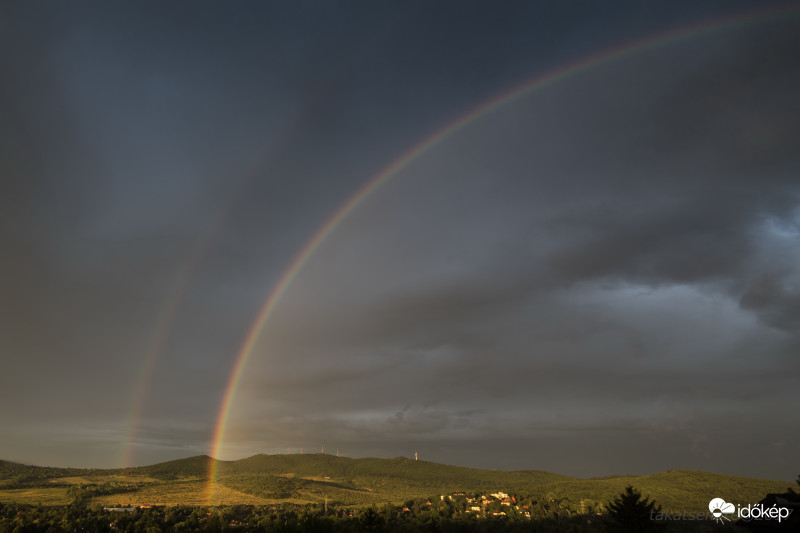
(36, 495)
(315, 478)
(180, 492)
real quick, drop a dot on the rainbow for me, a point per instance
(425, 146)
(164, 324)
(167, 317)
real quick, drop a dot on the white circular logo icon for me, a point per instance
(719, 508)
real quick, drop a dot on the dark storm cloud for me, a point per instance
(654, 259)
(580, 262)
(735, 124)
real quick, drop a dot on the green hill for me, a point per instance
(361, 481)
(386, 472)
(675, 490)
(198, 466)
(314, 478)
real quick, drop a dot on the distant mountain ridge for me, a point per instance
(312, 478)
(319, 464)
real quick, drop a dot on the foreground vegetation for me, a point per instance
(281, 519)
(298, 493)
(267, 480)
(628, 513)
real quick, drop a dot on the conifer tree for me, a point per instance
(629, 512)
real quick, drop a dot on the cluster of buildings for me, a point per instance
(485, 504)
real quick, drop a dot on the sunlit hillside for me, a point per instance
(341, 481)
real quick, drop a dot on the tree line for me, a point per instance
(628, 512)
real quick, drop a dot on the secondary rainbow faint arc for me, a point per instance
(168, 315)
(420, 149)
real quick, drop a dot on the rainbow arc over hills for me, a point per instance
(425, 146)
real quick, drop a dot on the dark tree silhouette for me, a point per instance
(791, 490)
(371, 521)
(629, 512)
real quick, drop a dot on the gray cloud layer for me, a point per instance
(621, 275)
(605, 269)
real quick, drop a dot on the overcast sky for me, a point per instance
(599, 277)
